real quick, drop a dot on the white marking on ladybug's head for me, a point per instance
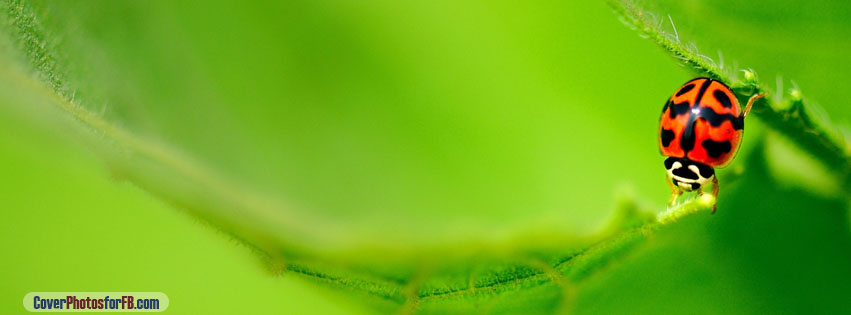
(688, 175)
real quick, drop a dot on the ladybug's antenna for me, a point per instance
(751, 101)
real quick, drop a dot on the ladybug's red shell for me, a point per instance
(702, 122)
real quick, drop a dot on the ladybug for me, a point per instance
(700, 129)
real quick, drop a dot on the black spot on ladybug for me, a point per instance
(715, 119)
(695, 186)
(715, 148)
(669, 162)
(738, 122)
(722, 98)
(679, 108)
(667, 136)
(676, 183)
(685, 89)
(684, 172)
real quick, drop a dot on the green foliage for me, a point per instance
(532, 267)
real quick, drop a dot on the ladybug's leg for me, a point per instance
(750, 103)
(714, 193)
(675, 192)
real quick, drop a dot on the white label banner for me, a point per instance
(95, 302)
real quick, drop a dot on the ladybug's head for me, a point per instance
(688, 175)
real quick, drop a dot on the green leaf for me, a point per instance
(455, 276)
(328, 178)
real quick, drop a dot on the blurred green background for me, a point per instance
(420, 123)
